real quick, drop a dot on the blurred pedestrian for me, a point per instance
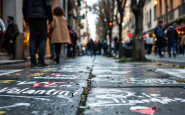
(90, 47)
(95, 48)
(105, 47)
(36, 13)
(117, 47)
(99, 47)
(159, 33)
(150, 43)
(2, 31)
(172, 36)
(10, 35)
(60, 34)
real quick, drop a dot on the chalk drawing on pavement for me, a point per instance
(15, 105)
(143, 110)
(119, 97)
(5, 72)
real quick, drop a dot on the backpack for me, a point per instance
(160, 32)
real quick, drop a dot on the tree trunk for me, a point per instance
(110, 39)
(120, 32)
(138, 42)
(120, 40)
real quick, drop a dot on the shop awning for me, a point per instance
(181, 28)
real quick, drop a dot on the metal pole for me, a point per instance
(166, 1)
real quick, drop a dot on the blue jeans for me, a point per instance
(172, 44)
(90, 52)
(52, 49)
(38, 36)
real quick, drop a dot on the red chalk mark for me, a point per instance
(143, 110)
(48, 84)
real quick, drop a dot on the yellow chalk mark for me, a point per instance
(7, 81)
(36, 74)
(2, 112)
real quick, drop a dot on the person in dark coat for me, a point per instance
(90, 47)
(172, 36)
(36, 13)
(159, 33)
(10, 37)
(99, 47)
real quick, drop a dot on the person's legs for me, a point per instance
(169, 47)
(58, 51)
(159, 47)
(174, 46)
(33, 42)
(43, 37)
(52, 50)
(14, 49)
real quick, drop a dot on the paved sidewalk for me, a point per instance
(92, 86)
(180, 59)
(4, 62)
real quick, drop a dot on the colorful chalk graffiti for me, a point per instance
(143, 110)
(43, 95)
(7, 81)
(119, 97)
(36, 84)
(6, 72)
(57, 76)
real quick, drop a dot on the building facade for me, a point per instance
(14, 8)
(149, 16)
(172, 12)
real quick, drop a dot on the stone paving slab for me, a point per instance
(39, 101)
(135, 82)
(136, 101)
(176, 73)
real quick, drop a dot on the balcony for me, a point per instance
(181, 10)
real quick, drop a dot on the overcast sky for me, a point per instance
(92, 19)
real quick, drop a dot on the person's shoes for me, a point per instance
(34, 65)
(52, 57)
(174, 54)
(42, 64)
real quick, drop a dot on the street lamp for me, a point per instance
(156, 2)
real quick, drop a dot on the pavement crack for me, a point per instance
(82, 105)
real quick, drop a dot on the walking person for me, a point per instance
(159, 33)
(36, 13)
(150, 43)
(10, 35)
(90, 47)
(2, 31)
(60, 34)
(99, 46)
(172, 36)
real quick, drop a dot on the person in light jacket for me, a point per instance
(60, 34)
(150, 43)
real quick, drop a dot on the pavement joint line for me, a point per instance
(82, 104)
(84, 96)
(149, 86)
